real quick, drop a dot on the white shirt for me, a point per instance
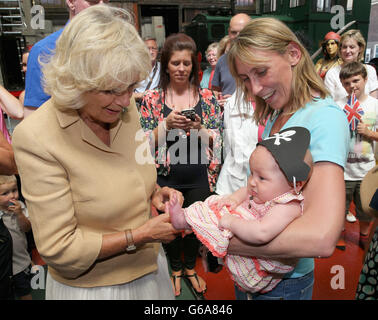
(21, 258)
(333, 83)
(155, 81)
(361, 150)
(240, 139)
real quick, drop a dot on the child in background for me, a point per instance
(280, 166)
(14, 215)
(362, 113)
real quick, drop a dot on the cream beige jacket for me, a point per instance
(77, 189)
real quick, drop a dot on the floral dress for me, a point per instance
(152, 113)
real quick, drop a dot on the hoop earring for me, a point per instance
(295, 186)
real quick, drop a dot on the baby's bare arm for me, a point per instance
(268, 227)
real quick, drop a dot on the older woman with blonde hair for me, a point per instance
(272, 67)
(212, 58)
(351, 49)
(88, 197)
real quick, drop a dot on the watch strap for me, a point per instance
(130, 246)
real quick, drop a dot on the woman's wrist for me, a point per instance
(165, 125)
(142, 234)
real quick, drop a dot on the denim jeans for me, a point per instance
(287, 289)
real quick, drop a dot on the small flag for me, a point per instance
(353, 111)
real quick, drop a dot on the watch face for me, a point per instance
(131, 248)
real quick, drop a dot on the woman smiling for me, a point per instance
(89, 200)
(272, 67)
(352, 48)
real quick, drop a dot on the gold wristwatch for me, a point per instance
(130, 246)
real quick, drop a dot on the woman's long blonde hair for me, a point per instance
(99, 50)
(270, 34)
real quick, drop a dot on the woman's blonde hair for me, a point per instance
(270, 34)
(358, 37)
(99, 50)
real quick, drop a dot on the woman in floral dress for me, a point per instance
(187, 147)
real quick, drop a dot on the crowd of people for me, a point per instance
(130, 162)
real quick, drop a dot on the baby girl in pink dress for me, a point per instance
(280, 166)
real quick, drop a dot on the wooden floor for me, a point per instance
(336, 278)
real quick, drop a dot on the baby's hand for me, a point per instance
(227, 202)
(226, 220)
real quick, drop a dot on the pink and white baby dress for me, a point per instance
(250, 274)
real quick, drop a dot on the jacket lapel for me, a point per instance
(71, 117)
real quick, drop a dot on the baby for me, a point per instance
(280, 166)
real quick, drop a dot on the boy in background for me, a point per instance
(362, 113)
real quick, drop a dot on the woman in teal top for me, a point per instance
(271, 66)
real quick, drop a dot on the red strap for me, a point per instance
(211, 77)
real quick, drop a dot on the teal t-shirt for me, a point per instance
(330, 136)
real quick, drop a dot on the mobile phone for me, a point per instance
(189, 113)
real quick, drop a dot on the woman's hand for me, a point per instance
(162, 195)
(196, 124)
(157, 229)
(176, 120)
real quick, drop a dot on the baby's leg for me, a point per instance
(177, 214)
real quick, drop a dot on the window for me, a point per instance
(248, 5)
(245, 3)
(367, 55)
(269, 6)
(349, 6)
(326, 5)
(52, 3)
(297, 3)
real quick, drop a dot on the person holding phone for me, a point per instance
(184, 125)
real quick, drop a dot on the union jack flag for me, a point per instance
(353, 111)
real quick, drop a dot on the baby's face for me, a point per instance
(8, 191)
(266, 181)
